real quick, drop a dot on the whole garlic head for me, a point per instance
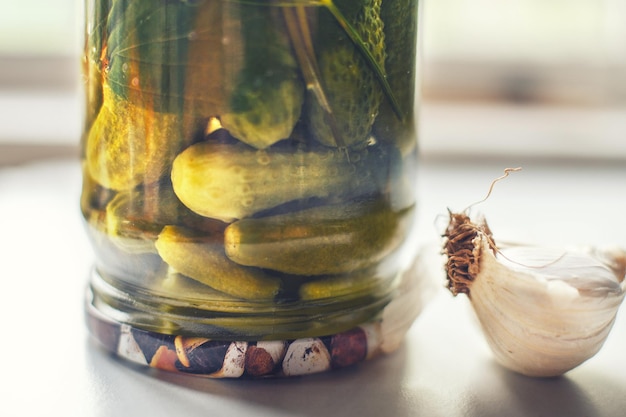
(543, 311)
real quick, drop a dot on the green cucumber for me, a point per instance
(95, 35)
(228, 182)
(180, 287)
(128, 145)
(267, 92)
(135, 218)
(333, 239)
(400, 19)
(202, 259)
(352, 88)
(147, 51)
(353, 286)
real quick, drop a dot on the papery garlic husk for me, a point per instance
(543, 311)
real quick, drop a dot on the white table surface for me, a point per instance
(51, 367)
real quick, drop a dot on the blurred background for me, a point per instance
(510, 79)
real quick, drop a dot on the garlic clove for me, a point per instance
(543, 311)
(536, 323)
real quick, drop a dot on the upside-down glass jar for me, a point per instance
(249, 171)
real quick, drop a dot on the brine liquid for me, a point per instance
(249, 168)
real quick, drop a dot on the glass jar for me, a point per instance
(248, 188)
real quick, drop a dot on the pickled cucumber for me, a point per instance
(353, 91)
(266, 100)
(346, 287)
(135, 218)
(92, 63)
(128, 145)
(228, 182)
(147, 50)
(202, 259)
(178, 286)
(333, 239)
(400, 17)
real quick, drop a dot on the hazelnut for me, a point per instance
(348, 348)
(258, 362)
(262, 358)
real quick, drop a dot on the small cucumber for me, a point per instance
(267, 95)
(135, 218)
(147, 51)
(228, 182)
(400, 19)
(178, 286)
(353, 91)
(95, 36)
(365, 283)
(333, 239)
(203, 260)
(128, 145)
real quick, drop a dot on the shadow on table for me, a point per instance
(519, 395)
(368, 389)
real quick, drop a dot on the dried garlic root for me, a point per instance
(543, 311)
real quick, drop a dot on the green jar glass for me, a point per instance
(248, 181)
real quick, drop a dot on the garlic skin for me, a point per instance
(543, 311)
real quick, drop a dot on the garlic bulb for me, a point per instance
(543, 311)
